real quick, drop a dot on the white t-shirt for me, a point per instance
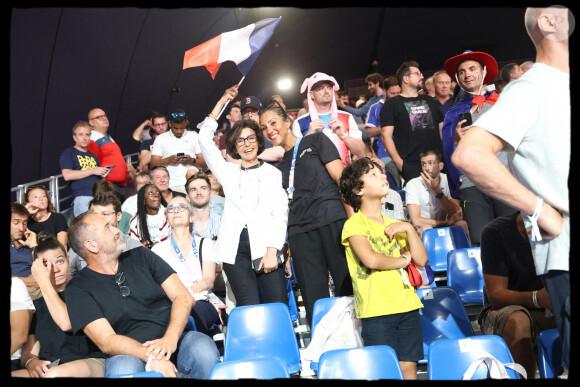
(533, 117)
(166, 144)
(130, 205)
(165, 250)
(417, 192)
(397, 211)
(19, 300)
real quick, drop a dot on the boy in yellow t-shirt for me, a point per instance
(377, 251)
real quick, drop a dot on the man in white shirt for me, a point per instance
(177, 149)
(531, 123)
(429, 202)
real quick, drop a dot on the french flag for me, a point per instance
(240, 46)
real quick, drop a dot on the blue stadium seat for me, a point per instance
(442, 317)
(439, 241)
(365, 363)
(450, 358)
(320, 308)
(549, 354)
(292, 306)
(465, 275)
(191, 323)
(263, 330)
(261, 368)
(146, 374)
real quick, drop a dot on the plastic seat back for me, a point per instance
(292, 306)
(464, 274)
(549, 354)
(450, 358)
(320, 308)
(439, 241)
(443, 316)
(263, 330)
(366, 363)
(261, 368)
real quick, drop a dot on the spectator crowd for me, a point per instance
(221, 211)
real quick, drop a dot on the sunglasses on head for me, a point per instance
(274, 103)
(178, 115)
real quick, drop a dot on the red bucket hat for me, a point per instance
(485, 59)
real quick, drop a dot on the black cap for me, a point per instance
(250, 101)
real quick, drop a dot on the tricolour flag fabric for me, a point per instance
(240, 46)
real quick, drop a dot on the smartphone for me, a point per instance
(110, 168)
(53, 364)
(465, 116)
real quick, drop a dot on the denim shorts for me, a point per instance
(400, 331)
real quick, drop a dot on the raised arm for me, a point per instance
(56, 306)
(475, 157)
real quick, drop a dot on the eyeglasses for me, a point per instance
(159, 125)
(102, 116)
(270, 106)
(251, 139)
(178, 208)
(124, 290)
(177, 115)
(420, 74)
(249, 113)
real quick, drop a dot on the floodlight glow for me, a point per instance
(284, 84)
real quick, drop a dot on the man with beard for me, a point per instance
(410, 122)
(133, 306)
(206, 224)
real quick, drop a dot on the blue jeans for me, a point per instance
(81, 204)
(196, 356)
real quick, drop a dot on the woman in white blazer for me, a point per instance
(253, 224)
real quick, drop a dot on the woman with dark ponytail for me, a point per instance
(52, 350)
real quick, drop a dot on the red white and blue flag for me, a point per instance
(240, 46)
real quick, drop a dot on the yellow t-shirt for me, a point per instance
(377, 292)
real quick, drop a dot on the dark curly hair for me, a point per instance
(351, 180)
(233, 134)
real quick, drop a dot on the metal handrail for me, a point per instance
(54, 187)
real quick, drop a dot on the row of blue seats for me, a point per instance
(261, 335)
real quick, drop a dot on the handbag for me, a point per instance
(420, 276)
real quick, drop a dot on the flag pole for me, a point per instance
(224, 108)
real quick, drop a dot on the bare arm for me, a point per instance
(19, 326)
(71, 174)
(372, 259)
(475, 157)
(56, 306)
(373, 131)
(500, 296)
(273, 154)
(208, 277)
(334, 169)
(137, 132)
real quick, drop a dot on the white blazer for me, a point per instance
(266, 223)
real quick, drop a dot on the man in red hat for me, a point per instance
(531, 121)
(474, 72)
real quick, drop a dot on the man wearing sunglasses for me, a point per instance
(178, 150)
(133, 306)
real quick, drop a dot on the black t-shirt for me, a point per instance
(146, 144)
(56, 344)
(416, 127)
(316, 201)
(55, 223)
(143, 315)
(505, 253)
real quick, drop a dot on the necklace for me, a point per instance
(240, 186)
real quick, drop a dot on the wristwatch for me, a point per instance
(439, 195)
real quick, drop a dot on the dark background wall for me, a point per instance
(128, 61)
